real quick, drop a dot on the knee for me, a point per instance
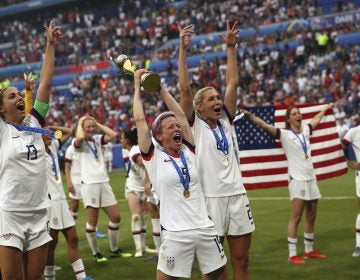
(115, 218)
(73, 240)
(240, 261)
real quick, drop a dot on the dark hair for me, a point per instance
(132, 136)
(287, 115)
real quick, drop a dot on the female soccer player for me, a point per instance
(24, 201)
(303, 189)
(170, 162)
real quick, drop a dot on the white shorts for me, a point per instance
(60, 216)
(153, 199)
(97, 195)
(357, 183)
(231, 214)
(178, 249)
(305, 190)
(77, 194)
(141, 195)
(24, 230)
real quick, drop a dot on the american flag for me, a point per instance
(263, 163)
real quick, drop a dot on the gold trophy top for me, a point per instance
(124, 63)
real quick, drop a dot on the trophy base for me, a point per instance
(151, 82)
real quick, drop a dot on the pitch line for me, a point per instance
(287, 198)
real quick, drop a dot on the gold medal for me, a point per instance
(57, 134)
(186, 193)
(306, 157)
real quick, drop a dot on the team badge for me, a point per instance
(7, 236)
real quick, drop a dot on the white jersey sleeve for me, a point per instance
(219, 173)
(353, 137)
(22, 167)
(177, 212)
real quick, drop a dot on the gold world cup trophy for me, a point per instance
(150, 81)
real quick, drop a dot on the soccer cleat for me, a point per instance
(99, 258)
(88, 278)
(149, 250)
(138, 253)
(57, 267)
(296, 260)
(99, 234)
(118, 253)
(314, 255)
(356, 252)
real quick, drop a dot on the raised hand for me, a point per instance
(29, 81)
(231, 34)
(53, 33)
(185, 35)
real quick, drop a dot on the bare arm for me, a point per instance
(109, 133)
(79, 135)
(260, 122)
(186, 96)
(66, 132)
(179, 113)
(232, 75)
(144, 135)
(53, 35)
(316, 120)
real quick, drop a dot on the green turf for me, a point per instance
(335, 236)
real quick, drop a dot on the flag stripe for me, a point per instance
(263, 163)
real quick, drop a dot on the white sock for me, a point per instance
(156, 233)
(113, 232)
(357, 225)
(309, 242)
(79, 269)
(292, 246)
(49, 272)
(91, 238)
(136, 231)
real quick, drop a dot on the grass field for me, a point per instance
(335, 236)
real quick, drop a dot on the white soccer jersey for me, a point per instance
(136, 175)
(299, 168)
(56, 189)
(177, 213)
(72, 156)
(353, 137)
(92, 170)
(22, 167)
(219, 173)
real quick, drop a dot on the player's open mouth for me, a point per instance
(217, 110)
(177, 138)
(20, 106)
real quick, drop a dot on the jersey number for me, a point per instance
(32, 152)
(249, 213)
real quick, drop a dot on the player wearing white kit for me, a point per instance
(218, 166)
(24, 233)
(60, 219)
(187, 229)
(136, 181)
(303, 189)
(352, 137)
(96, 191)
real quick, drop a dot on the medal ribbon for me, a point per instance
(224, 145)
(303, 144)
(185, 181)
(93, 150)
(34, 129)
(53, 163)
